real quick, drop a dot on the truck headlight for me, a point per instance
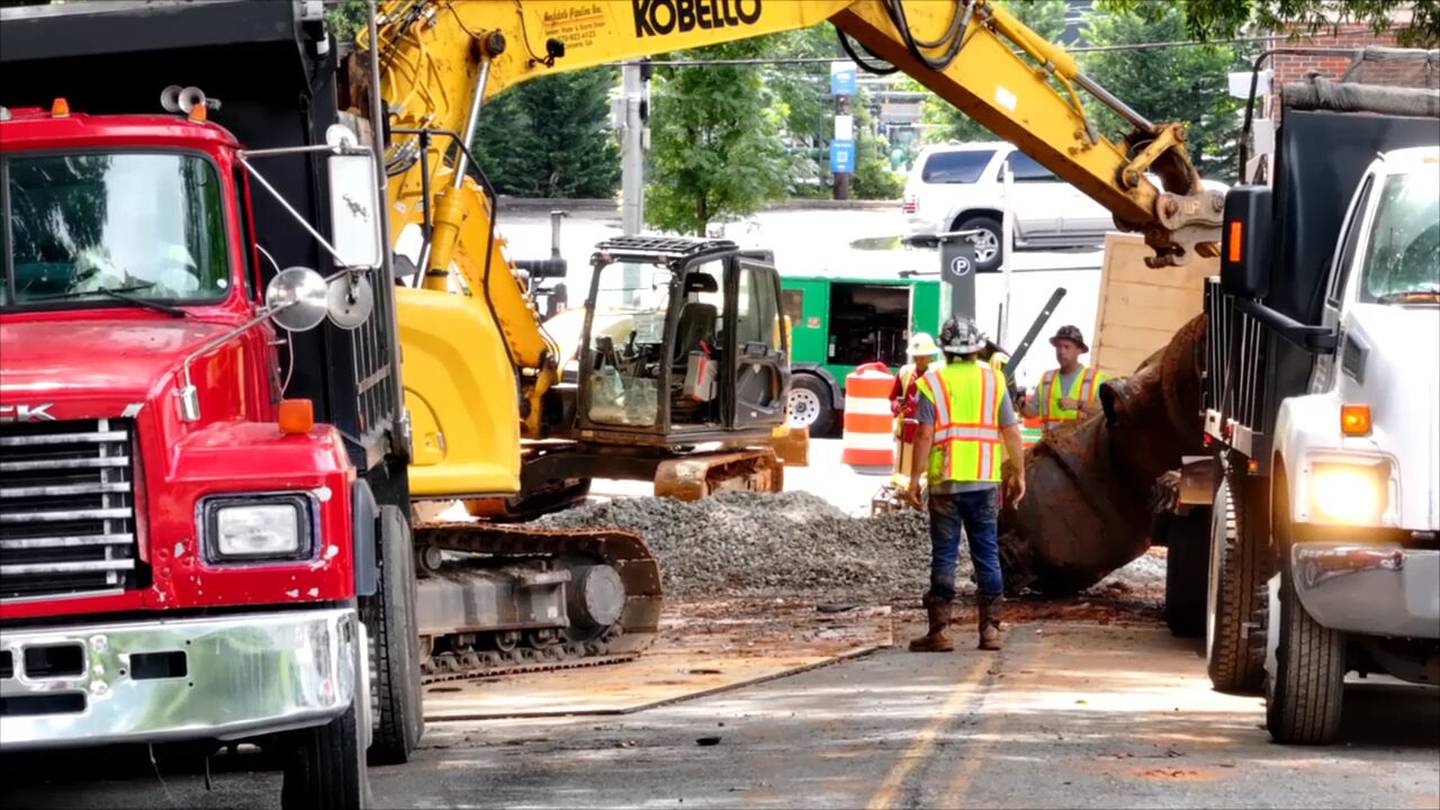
(1352, 494)
(256, 528)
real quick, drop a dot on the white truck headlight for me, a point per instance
(1350, 494)
(257, 528)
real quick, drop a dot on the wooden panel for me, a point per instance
(1141, 308)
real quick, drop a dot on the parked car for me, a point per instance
(955, 187)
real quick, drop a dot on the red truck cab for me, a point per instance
(173, 564)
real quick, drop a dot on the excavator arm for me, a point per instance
(442, 59)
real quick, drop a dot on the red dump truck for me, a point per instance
(202, 455)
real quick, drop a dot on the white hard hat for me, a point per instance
(922, 345)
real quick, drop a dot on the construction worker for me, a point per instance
(921, 351)
(965, 415)
(1068, 392)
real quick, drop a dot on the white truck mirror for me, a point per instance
(354, 210)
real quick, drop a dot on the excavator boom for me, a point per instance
(481, 374)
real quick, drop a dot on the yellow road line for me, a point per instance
(920, 750)
(959, 787)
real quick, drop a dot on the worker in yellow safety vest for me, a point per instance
(965, 416)
(1068, 392)
(922, 351)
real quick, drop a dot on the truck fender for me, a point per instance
(365, 515)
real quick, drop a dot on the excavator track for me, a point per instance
(548, 552)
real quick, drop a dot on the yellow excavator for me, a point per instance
(681, 371)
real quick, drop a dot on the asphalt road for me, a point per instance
(1068, 715)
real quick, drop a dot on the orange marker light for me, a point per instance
(1355, 420)
(1237, 233)
(199, 113)
(59, 108)
(297, 416)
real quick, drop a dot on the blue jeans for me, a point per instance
(976, 512)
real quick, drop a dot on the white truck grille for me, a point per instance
(67, 508)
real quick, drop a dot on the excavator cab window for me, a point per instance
(627, 341)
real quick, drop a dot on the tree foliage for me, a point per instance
(1418, 21)
(873, 178)
(1165, 84)
(946, 122)
(715, 142)
(550, 137)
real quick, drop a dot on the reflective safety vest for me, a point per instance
(1082, 390)
(967, 399)
(906, 376)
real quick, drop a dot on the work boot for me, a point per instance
(989, 621)
(935, 640)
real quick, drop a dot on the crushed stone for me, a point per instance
(747, 543)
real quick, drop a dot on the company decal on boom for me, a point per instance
(660, 17)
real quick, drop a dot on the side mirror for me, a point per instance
(1245, 247)
(354, 210)
(298, 299)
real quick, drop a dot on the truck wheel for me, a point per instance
(989, 245)
(1307, 688)
(1186, 563)
(1238, 570)
(809, 405)
(326, 768)
(389, 618)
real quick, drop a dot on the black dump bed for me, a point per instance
(272, 66)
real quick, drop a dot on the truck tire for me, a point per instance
(326, 767)
(1239, 567)
(1186, 565)
(389, 618)
(810, 404)
(1306, 691)
(989, 246)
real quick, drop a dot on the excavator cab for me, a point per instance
(683, 343)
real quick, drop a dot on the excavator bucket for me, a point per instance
(1088, 508)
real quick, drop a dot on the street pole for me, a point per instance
(632, 150)
(842, 179)
(1007, 248)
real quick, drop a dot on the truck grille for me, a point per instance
(67, 508)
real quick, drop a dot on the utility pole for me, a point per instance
(842, 178)
(634, 142)
(842, 145)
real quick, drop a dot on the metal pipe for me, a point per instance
(1136, 120)
(477, 101)
(400, 427)
(297, 150)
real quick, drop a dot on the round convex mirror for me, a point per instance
(298, 299)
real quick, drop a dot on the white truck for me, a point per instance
(1322, 398)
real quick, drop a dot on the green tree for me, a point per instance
(873, 178)
(945, 122)
(550, 137)
(1418, 20)
(715, 142)
(1165, 84)
(346, 18)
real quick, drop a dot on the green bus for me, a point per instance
(839, 323)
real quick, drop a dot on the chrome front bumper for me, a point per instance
(1374, 589)
(177, 679)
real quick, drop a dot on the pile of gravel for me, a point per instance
(745, 544)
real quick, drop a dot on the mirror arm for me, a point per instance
(189, 394)
(280, 198)
(1315, 339)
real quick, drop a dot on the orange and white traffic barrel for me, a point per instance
(869, 436)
